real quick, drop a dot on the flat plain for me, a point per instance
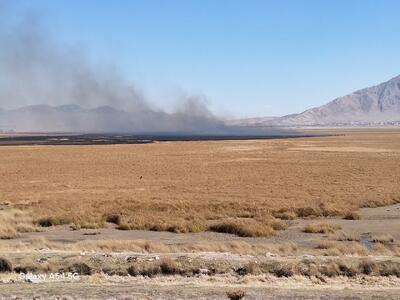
(272, 218)
(185, 186)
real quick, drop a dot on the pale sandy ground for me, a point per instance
(195, 289)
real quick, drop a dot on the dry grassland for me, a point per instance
(228, 186)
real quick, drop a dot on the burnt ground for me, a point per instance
(140, 138)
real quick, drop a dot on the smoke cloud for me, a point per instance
(57, 89)
(47, 86)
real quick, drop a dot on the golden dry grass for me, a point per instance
(188, 186)
(321, 228)
(140, 246)
(14, 221)
(334, 248)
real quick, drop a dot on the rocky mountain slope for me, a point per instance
(375, 105)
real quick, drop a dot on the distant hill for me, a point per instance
(74, 118)
(377, 105)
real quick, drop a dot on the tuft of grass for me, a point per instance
(80, 268)
(53, 221)
(352, 216)
(368, 267)
(169, 266)
(26, 269)
(113, 218)
(389, 268)
(14, 221)
(335, 248)
(148, 269)
(307, 212)
(321, 228)
(235, 295)
(243, 228)
(285, 214)
(383, 239)
(250, 268)
(5, 265)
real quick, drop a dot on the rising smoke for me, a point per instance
(46, 86)
(58, 89)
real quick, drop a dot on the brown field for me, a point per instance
(227, 186)
(306, 217)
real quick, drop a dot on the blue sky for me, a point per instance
(249, 58)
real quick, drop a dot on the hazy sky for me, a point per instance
(249, 58)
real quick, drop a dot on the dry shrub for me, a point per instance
(243, 228)
(329, 269)
(5, 265)
(250, 268)
(321, 228)
(113, 218)
(321, 210)
(352, 216)
(284, 270)
(146, 269)
(26, 269)
(334, 248)
(383, 239)
(381, 249)
(347, 270)
(235, 295)
(389, 268)
(169, 266)
(379, 202)
(368, 267)
(284, 214)
(80, 268)
(14, 221)
(278, 268)
(307, 212)
(53, 221)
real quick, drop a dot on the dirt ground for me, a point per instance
(191, 290)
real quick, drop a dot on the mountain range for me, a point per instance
(376, 105)
(373, 106)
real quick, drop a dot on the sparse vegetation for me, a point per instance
(335, 248)
(321, 228)
(5, 265)
(352, 216)
(244, 228)
(345, 237)
(80, 268)
(383, 239)
(235, 295)
(14, 221)
(53, 221)
(113, 218)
